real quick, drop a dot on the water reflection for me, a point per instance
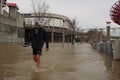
(108, 63)
(112, 67)
(36, 76)
(116, 70)
(77, 63)
(8, 56)
(12, 59)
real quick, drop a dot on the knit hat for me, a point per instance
(36, 24)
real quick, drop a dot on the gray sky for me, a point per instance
(89, 13)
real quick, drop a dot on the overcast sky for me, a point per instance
(89, 13)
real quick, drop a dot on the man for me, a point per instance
(37, 39)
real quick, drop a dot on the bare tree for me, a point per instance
(74, 27)
(40, 8)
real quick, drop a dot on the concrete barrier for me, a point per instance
(116, 49)
(109, 48)
(105, 47)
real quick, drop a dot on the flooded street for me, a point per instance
(79, 62)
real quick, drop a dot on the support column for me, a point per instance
(13, 10)
(108, 30)
(53, 32)
(63, 36)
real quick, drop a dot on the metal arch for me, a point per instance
(51, 15)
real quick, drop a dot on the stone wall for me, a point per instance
(9, 27)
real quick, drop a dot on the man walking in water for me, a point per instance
(37, 39)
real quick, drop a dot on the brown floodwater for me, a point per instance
(79, 62)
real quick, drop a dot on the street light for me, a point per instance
(108, 25)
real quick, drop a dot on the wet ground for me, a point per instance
(79, 62)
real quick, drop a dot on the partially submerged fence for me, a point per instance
(111, 48)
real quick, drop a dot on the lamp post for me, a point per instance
(101, 34)
(108, 25)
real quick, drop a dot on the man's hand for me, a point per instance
(47, 49)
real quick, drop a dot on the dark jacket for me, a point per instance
(37, 39)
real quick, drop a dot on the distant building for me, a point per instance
(56, 26)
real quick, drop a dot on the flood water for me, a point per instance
(79, 62)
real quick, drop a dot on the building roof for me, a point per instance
(12, 5)
(48, 15)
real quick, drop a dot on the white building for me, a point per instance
(56, 25)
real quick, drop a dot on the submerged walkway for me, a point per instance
(79, 62)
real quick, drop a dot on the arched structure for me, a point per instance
(115, 12)
(56, 25)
